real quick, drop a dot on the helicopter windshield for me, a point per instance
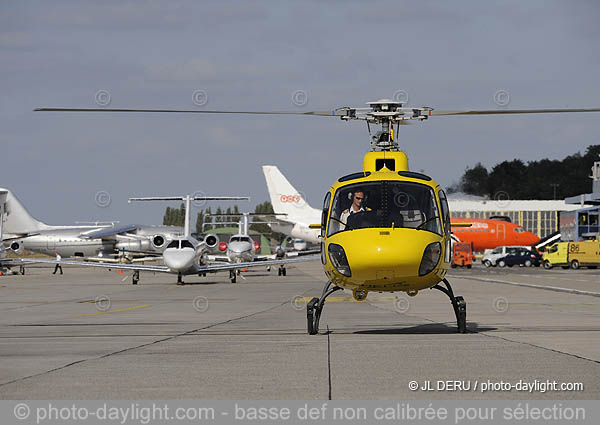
(384, 204)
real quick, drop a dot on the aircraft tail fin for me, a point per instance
(284, 197)
(3, 195)
(16, 219)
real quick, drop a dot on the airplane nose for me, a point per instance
(532, 238)
(179, 260)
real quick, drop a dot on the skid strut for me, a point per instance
(315, 307)
(458, 304)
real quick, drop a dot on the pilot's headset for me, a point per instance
(351, 196)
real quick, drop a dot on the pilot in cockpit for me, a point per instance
(358, 198)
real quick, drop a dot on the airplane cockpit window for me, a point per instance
(173, 244)
(519, 230)
(384, 204)
(234, 239)
(245, 239)
(186, 244)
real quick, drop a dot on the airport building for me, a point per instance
(539, 217)
(583, 223)
(577, 218)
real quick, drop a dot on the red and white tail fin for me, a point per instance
(286, 199)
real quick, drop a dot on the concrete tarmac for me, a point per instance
(89, 334)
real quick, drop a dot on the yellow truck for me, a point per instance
(573, 254)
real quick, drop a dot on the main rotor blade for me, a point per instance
(194, 111)
(512, 111)
(192, 198)
(248, 214)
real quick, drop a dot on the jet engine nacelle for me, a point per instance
(158, 241)
(133, 245)
(16, 247)
(211, 240)
(280, 252)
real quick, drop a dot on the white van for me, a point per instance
(491, 256)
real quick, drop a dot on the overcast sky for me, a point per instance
(256, 55)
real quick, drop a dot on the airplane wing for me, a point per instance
(164, 269)
(290, 254)
(141, 267)
(111, 231)
(235, 266)
(9, 262)
(121, 260)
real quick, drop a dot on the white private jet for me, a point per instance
(242, 249)
(183, 256)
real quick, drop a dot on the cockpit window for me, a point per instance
(384, 204)
(234, 239)
(519, 229)
(245, 239)
(173, 244)
(186, 244)
(324, 213)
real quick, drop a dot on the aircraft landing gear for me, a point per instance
(315, 307)
(282, 271)
(233, 276)
(458, 304)
(135, 278)
(179, 278)
(22, 270)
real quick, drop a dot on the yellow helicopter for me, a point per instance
(385, 228)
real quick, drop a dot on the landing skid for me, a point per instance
(458, 304)
(315, 307)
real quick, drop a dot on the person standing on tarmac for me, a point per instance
(58, 267)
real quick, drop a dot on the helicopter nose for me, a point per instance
(391, 255)
(179, 260)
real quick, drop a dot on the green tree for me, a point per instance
(475, 180)
(199, 221)
(266, 208)
(208, 220)
(218, 217)
(543, 179)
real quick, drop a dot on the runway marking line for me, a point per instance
(112, 311)
(531, 285)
